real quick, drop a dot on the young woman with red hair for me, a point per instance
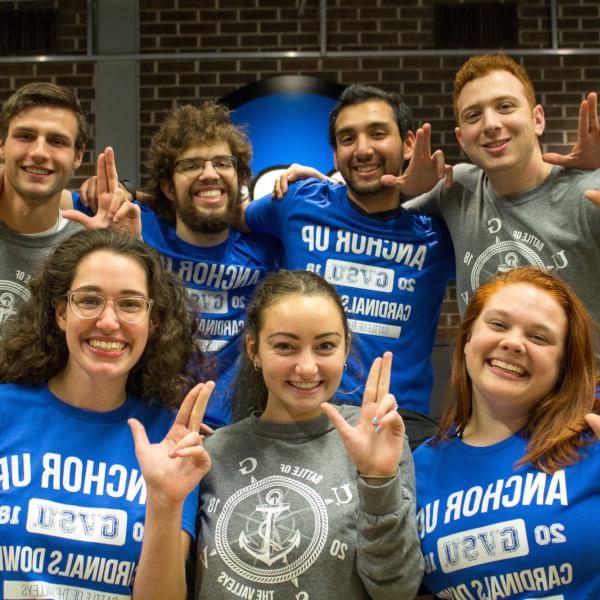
(508, 489)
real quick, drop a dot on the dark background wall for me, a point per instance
(188, 50)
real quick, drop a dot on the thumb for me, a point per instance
(333, 414)
(555, 159)
(593, 196)
(593, 421)
(140, 439)
(78, 217)
(391, 180)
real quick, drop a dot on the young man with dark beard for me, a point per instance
(390, 267)
(199, 163)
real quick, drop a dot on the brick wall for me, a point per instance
(425, 81)
(71, 39)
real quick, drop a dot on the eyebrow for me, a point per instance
(24, 128)
(370, 125)
(98, 290)
(492, 101)
(297, 337)
(505, 314)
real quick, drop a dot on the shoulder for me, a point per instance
(153, 416)
(259, 244)
(226, 437)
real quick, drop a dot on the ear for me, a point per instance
(408, 145)
(152, 326)
(60, 314)
(2, 152)
(78, 158)
(348, 344)
(459, 137)
(166, 187)
(251, 348)
(539, 120)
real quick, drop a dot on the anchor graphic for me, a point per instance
(270, 550)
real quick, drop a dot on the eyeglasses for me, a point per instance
(194, 166)
(90, 305)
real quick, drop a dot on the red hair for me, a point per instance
(556, 422)
(481, 65)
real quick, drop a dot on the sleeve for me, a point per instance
(264, 215)
(190, 508)
(389, 559)
(427, 203)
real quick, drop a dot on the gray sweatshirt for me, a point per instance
(283, 515)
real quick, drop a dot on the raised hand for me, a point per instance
(173, 467)
(424, 169)
(585, 154)
(291, 174)
(375, 444)
(114, 206)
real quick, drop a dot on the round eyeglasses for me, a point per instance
(90, 305)
(194, 165)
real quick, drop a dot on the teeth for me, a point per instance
(210, 193)
(305, 385)
(496, 144)
(365, 168)
(106, 346)
(38, 171)
(507, 366)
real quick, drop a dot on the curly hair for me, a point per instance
(556, 428)
(359, 93)
(250, 390)
(44, 94)
(185, 127)
(34, 348)
(481, 65)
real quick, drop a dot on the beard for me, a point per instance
(204, 221)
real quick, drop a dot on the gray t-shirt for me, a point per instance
(552, 226)
(284, 516)
(21, 256)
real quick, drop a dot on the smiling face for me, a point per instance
(515, 351)
(499, 129)
(39, 152)
(205, 203)
(104, 346)
(368, 145)
(301, 351)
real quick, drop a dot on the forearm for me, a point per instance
(389, 559)
(161, 569)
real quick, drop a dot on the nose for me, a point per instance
(306, 365)
(490, 120)
(209, 171)
(107, 320)
(39, 149)
(363, 147)
(513, 342)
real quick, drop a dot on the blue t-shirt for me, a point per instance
(391, 274)
(72, 497)
(491, 531)
(222, 279)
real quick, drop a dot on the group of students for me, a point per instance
(300, 499)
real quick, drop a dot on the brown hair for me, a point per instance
(556, 422)
(185, 127)
(481, 65)
(34, 348)
(44, 94)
